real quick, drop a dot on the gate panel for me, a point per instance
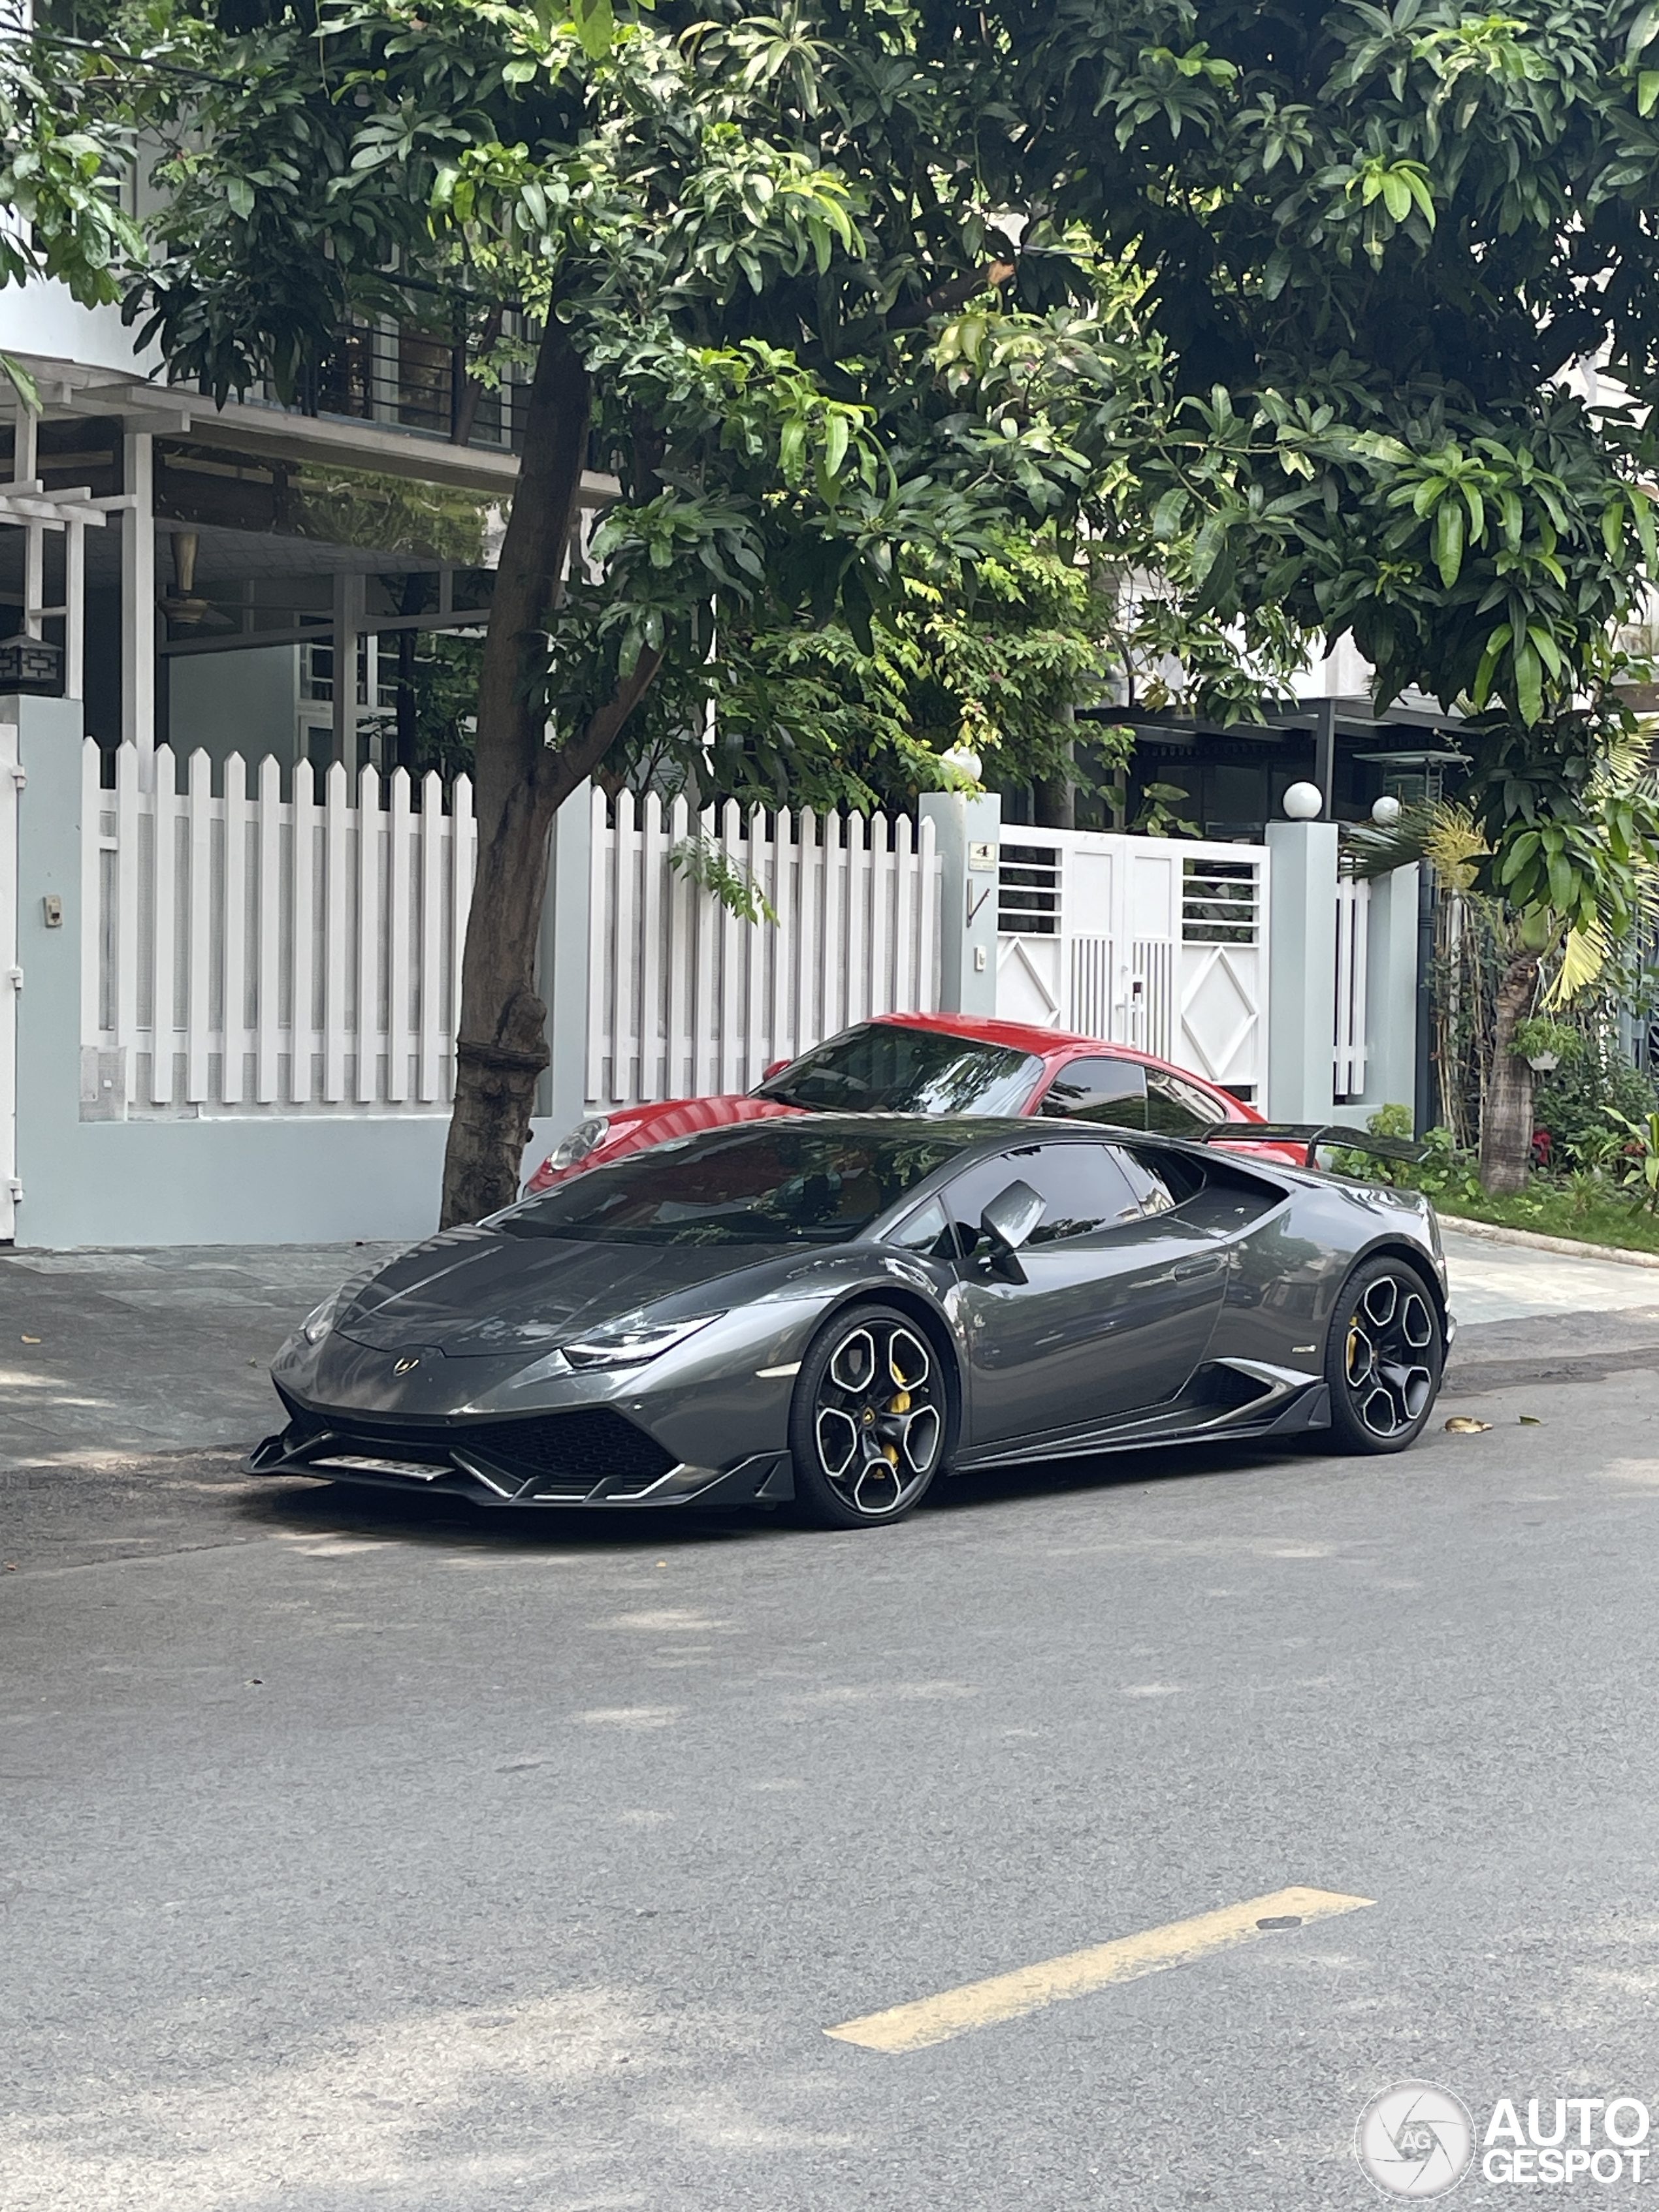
(1155, 942)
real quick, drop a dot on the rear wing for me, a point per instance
(1312, 1135)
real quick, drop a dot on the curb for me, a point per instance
(1534, 1241)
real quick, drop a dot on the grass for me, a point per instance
(1553, 1212)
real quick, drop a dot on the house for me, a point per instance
(248, 576)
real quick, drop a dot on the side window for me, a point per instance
(1153, 1190)
(1101, 1090)
(1175, 1108)
(926, 1231)
(1085, 1188)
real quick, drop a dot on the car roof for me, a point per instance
(1020, 1037)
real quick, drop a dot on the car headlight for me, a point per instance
(317, 1324)
(587, 1137)
(631, 1344)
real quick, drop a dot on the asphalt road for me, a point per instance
(363, 1855)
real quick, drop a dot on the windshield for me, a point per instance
(778, 1184)
(883, 1068)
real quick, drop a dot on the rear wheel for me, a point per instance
(871, 1419)
(1384, 1356)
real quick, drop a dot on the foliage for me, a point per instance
(1540, 1036)
(701, 861)
(1641, 1173)
(1372, 236)
(1586, 1208)
(1587, 1102)
(1159, 816)
(795, 712)
(64, 150)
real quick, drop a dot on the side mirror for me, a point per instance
(1007, 1223)
(772, 1067)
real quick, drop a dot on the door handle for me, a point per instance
(1211, 1264)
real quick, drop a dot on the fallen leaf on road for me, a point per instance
(1529, 1420)
(1461, 1425)
(31, 1339)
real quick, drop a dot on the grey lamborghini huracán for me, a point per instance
(837, 1312)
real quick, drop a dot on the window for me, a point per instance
(883, 1068)
(1151, 1187)
(774, 1183)
(1084, 1188)
(927, 1232)
(1175, 1108)
(1112, 1090)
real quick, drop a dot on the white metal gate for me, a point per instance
(12, 979)
(1156, 942)
(1353, 902)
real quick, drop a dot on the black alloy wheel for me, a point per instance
(871, 1419)
(1384, 1357)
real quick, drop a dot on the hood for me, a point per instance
(478, 1293)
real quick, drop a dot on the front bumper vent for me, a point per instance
(559, 1458)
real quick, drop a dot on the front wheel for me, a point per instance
(1384, 1356)
(871, 1419)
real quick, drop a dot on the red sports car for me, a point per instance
(934, 1064)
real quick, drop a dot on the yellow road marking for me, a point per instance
(1027, 1989)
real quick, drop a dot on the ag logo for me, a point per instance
(1414, 2140)
(407, 1364)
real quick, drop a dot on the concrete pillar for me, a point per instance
(1391, 993)
(562, 962)
(50, 930)
(138, 611)
(968, 834)
(1302, 973)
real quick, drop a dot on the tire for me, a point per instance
(1384, 1356)
(872, 1419)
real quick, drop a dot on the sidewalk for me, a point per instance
(165, 1350)
(160, 1350)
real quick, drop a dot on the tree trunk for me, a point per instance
(1506, 1124)
(521, 782)
(1054, 797)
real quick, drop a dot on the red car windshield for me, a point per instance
(883, 1068)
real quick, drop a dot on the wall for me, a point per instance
(241, 702)
(234, 1180)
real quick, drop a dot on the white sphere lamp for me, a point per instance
(965, 761)
(1304, 802)
(1385, 812)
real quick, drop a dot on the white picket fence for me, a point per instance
(1353, 902)
(258, 953)
(261, 954)
(686, 996)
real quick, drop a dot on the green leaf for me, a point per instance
(20, 382)
(1168, 513)
(596, 28)
(1208, 546)
(1647, 91)
(239, 193)
(1642, 506)
(1448, 541)
(1529, 684)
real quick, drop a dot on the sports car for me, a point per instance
(835, 1310)
(932, 1063)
